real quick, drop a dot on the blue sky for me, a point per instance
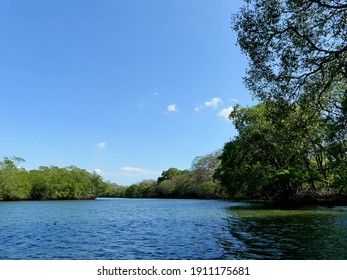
(122, 87)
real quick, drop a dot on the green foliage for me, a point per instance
(47, 183)
(174, 183)
(14, 184)
(204, 167)
(297, 52)
(166, 189)
(144, 189)
(295, 47)
(53, 183)
(281, 153)
(170, 173)
(294, 143)
(195, 183)
(113, 190)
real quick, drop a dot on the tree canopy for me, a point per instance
(47, 183)
(294, 142)
(295, 47)
(198, 182)
(297, 51)
(278, 155)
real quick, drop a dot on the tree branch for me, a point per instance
(319, 3)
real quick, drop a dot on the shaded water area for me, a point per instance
(169, 229)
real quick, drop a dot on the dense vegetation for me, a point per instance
(47, 183)
(293, 145)
(288, 158)
(54, 183)
(197, 182)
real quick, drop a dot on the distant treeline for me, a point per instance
(198, 182)
(54, 183)
(47, 183)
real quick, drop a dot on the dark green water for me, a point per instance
(169, 229)
(265, 232)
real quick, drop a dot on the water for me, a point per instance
(169, 229)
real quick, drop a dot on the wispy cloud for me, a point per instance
(172, 108)
(98, 171)
(214, 102)
(225, 113)
(128, 172)
(136, 171)
(101, 145)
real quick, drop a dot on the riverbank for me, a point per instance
(307, 200)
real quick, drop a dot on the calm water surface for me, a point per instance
(169, 229)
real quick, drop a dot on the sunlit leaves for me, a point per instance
(47, 183)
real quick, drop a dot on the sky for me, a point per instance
(125, 88)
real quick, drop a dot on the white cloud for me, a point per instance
(101, 145)
(98, 171)
(136, 171)
(128, 172)
(214, 102)
(172, 108)
(225, 113)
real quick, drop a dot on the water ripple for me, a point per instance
(169, 229)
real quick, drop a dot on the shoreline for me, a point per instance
(337, 200)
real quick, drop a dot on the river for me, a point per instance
(127, 229)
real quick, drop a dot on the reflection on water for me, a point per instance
(259, 231)
(169, 229)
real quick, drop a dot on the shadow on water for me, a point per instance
(123, 229)
(262, 231)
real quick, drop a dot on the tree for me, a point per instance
(204, 166)
(11, 163)
(14, 182)
(147, 188)
(278, 154)
(175, 183)
(195, 183)
(165, 189)
(298, 52)
(295, 47)
(170, 173)
(47, 183)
